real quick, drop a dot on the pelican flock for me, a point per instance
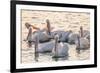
(57, 42)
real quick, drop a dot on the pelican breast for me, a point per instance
(62, 50)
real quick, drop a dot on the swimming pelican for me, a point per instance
(82, 42)
(72, 38)
(61, 49)
(44, 47)
(85, 33)
(63, 35)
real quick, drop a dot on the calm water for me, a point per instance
(59, 20)
(28, 55)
